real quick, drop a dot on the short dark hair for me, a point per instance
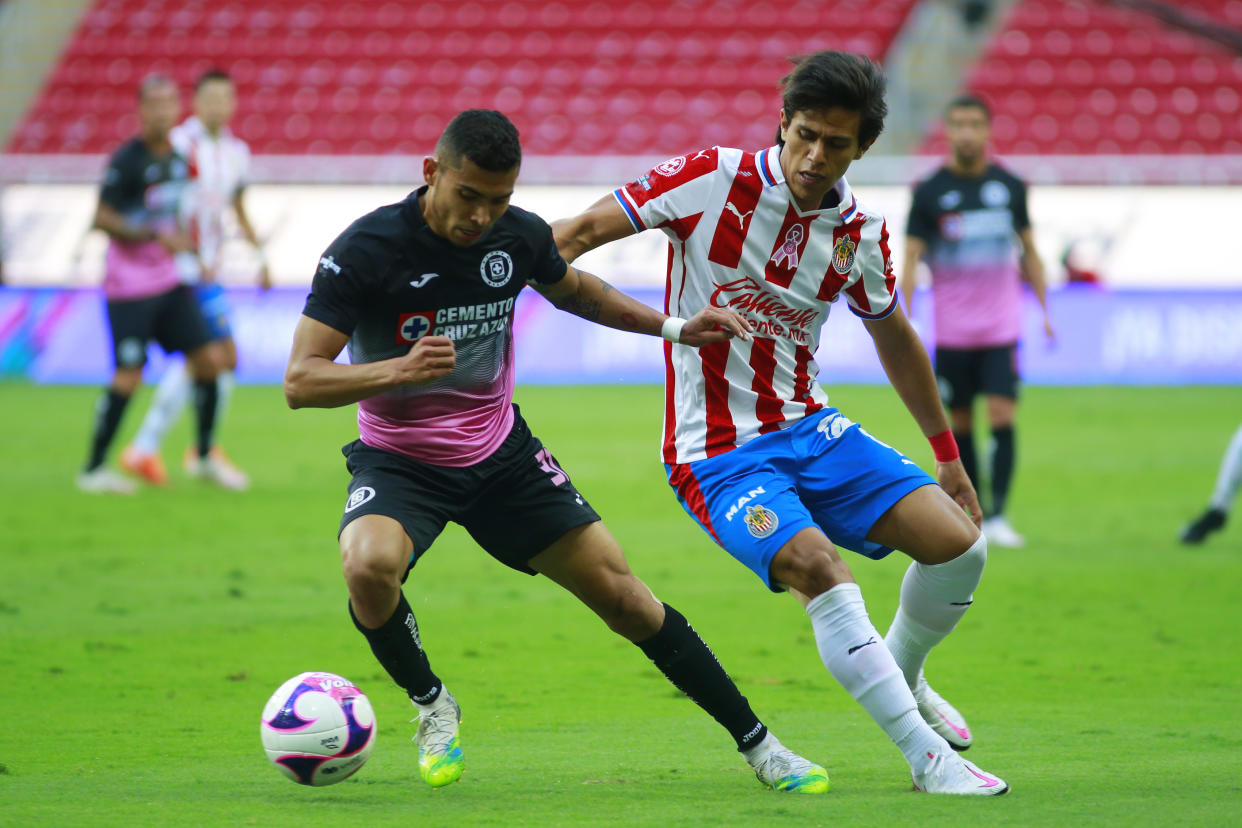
(215, 73)
(484, 136)
(827, 79)
(969, 100)
(153, 80)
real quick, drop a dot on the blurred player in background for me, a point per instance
(969, 221)
(220, 167)
(139, 208)
(1228, 482)
(755, 455)
(423, 293)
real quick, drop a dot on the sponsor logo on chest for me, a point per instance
(768, 311)
(457, 322)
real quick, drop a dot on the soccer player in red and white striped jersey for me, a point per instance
(756, 455)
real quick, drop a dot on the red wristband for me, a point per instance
(944, 447)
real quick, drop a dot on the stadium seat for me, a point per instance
(624, 75)
(1094, 78)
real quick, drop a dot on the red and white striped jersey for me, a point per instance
(737, 240)
(220, 167)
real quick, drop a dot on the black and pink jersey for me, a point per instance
(388, 281)
(149, 191)
(970, 227)
(738, 240)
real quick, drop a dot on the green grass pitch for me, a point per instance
(139, 637)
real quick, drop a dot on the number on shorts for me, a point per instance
(549, 465)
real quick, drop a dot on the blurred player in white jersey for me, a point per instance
(1228, 483)
(755, 454)
(220, 166)
(969, 220)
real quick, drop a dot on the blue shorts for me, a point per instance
(825, 471)
(214, 304)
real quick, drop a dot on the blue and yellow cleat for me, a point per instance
(440, 760)
(780, 769)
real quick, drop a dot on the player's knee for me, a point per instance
(810, 568)
(369, 561)
(975, 555)
(203, 364)
(126, 380)
(629, 609)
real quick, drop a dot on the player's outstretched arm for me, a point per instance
(1033, 274)
(313, 379)
(602, 222)
(590, 297)
(909, 369)
(247, 229)
(915, 248)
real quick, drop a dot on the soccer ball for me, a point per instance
(318, 728)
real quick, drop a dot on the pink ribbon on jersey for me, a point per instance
(789, 250)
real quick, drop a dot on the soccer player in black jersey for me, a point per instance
(423, 293)
(140, 209)
(969, 222)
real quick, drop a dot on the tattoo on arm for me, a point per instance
(579, 305)
(588, 309)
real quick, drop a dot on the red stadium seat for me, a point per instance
(1095, 78)
(584, 76)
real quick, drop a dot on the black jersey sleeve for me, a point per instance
(122, 184)
(921, 224)
(549, 267)
(342, 286)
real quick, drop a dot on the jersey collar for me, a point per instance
(769, 163)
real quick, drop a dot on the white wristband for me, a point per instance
(671, 329)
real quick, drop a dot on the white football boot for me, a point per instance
(104, 480)
(780, 769)
(948, 773)
(440, 760)
(942, 716)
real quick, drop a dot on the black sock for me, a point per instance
(108, 413)
(399, 649)
(966, 448)
(693, 669)
(206, 400)
(1003, 452)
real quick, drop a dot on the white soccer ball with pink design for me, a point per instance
(318, 728)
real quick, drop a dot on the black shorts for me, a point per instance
(172, 319)
(515, 504)
(964, 373)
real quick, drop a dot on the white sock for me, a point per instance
(1230, 478)
(755, 754)
(170, 399)
(933, 600)
(854, 653)
(439, 702)
(224, 394)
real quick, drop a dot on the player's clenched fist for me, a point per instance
(431, 358)
(714, 325)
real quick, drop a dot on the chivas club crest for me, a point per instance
(672, 166)
(760, 522)
(843, 255)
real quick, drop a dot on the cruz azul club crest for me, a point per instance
(843, 255)
(496, 268)
(760, 522)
